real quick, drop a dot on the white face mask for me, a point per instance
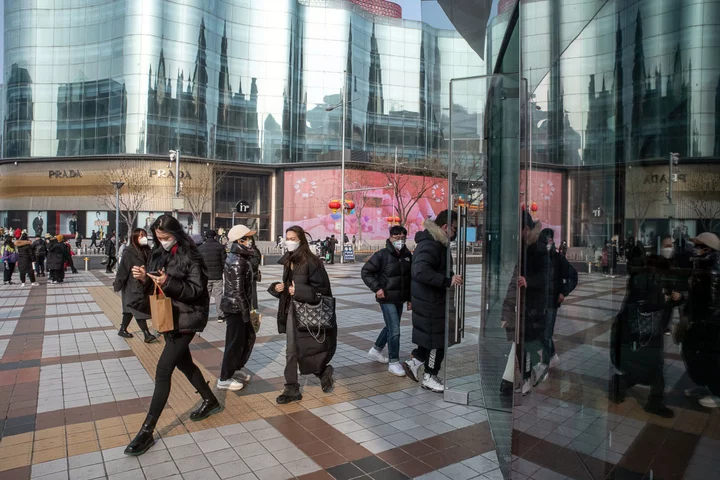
(168, 244)
(292, 245)
(667, 252)
(398, 244)
(143, 241)
(549, 246)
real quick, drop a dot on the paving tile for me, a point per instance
(47, 468)
(125, 464)
(277, 472)
(160, 470)
(203, 474)
(188, 464)
(288, 455)
(213, 445)
(259, 462)
(231, 469)
(88, 472)
(222, 456)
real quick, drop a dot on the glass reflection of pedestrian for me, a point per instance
(701, 342)
(637, 340)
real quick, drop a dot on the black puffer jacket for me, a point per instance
(255, 261)
(186, 285)
(310, 280)
(26, 256)
(429, 286)
(110, 250)
(237, 282)
(40, 247)
(389, 270)
(133, 291)
(55, 255)
(214, 255)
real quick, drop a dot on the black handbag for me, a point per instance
(643, 325)
(315, 318)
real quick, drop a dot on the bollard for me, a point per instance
(589, 267)
(86, 263)
(262, 260)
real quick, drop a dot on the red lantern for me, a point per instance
(335, 205)
(393, 220)
(349, 205)
(534, 208)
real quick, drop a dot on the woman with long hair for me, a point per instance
(133, 291)
(176, 266)
(304, 279)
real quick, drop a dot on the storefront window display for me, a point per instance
(37, 223)
(67, 223)
(98, 222)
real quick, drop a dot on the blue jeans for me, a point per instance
(390, 334)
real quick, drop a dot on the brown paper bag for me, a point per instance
(161, 311)
(255, 319)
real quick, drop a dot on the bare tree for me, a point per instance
(363, 198)
(641, 196)
(704, 197)
(198, 190)
(136, 192)
(409, 185)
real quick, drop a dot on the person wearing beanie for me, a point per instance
(56, 260)
(26, 258)
(235, 304)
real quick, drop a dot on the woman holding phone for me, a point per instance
(175, 265)
(304, 278)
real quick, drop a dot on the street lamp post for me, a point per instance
(118, 186)
(175, 157)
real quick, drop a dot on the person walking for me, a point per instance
(78, 240)
(180, 272)
(9, 258)
(70, 254)
(110, 252)
(39, 247)
(387, 274)
(331, 244)
(121, 249)
(235, 304)
(133, 291)
(304, 279)
(428, 293)
(214, 256)
(26, 259)
(56, 260)
(93, 239)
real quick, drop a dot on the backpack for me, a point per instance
(40, 248)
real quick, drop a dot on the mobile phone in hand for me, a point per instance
(154, 273)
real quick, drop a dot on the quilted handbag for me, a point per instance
(316, 318)
(644, 325)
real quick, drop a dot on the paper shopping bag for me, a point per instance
(161, 311)
(255, 319)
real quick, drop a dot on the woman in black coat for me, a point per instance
(26, 258)
(304, 279)
(133, 291)
(176, 266)
(56, 260)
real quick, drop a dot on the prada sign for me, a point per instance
(64, 174)
(169, 173)
(655, 178)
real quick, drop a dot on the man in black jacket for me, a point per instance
(40, 249)
(429, 293)
(387, 274)
(564, 279)
(111, 253)
(331, 243)
(214, 255)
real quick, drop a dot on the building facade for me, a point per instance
(232, 83)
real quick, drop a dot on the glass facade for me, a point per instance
(599, 132)
(231, 80)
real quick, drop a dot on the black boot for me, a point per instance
(207, 408)
(327, 382)
(286, 398)
(144, 439)
(506, 388)
(657, 407)
(124, 333)
(149, 337)
(617, 389)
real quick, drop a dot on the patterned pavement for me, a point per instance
(73, 393)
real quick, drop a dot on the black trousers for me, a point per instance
(29, 273)
(176, 354)
(239, 343)
(57, 275)
(40, 265)
(432, 357)
(110, 264)
(127, 316)
(7, 273)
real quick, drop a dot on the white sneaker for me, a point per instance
(242, 376)
(35, 284)
(539, 373)
(432, 383)
(396, 369)
(411, 368)
(221, 320)
(376, 355)
(232, 385)
(554, 361)
(710, 401)
(696, 392)
(22, 285)
(526, 387)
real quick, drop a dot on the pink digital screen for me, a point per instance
(546, 189)
(308, 194)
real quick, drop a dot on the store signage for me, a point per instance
(64, 174)
(163, 173)
(654, 178)
(597, 213)
(242, 207)
(101, 223)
